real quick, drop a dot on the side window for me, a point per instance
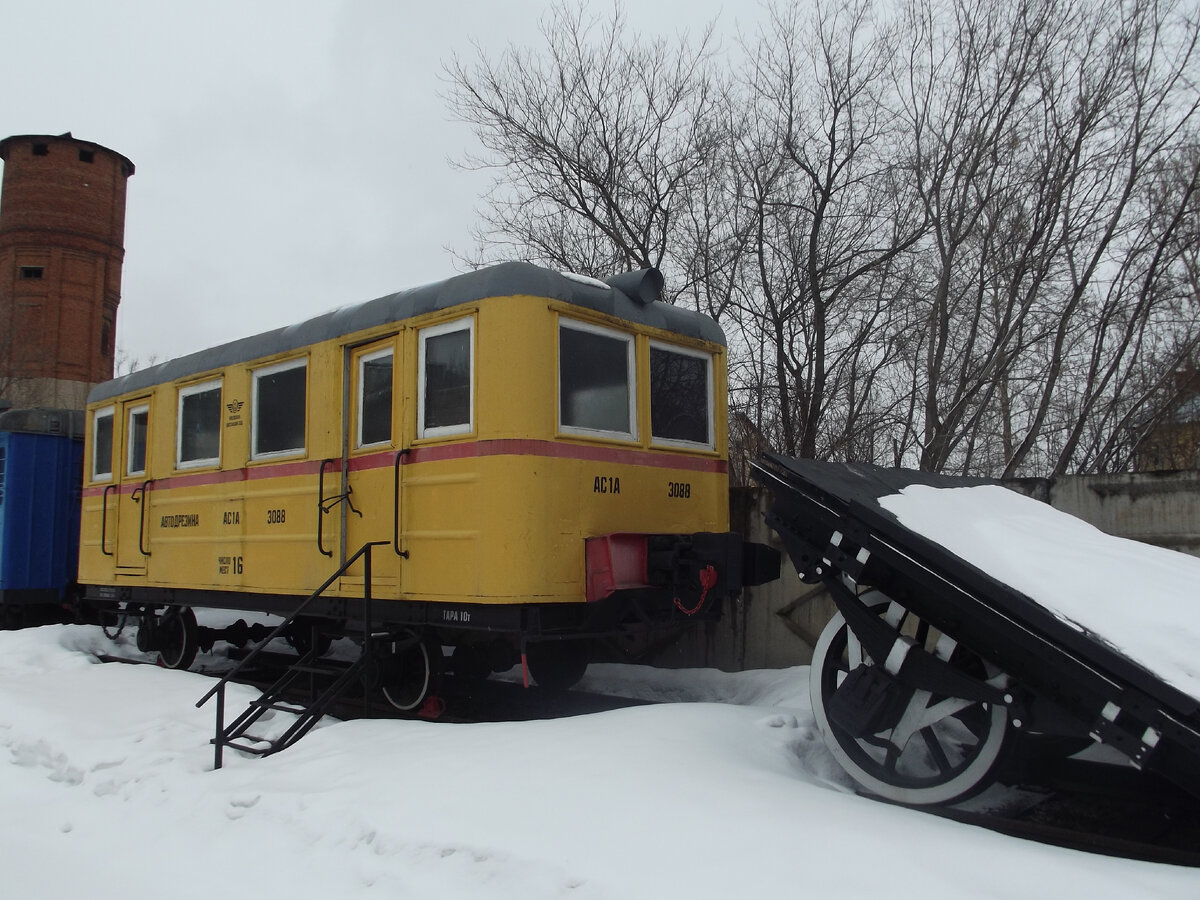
(135, 459)
(446, 400)
(102, 444)
(198, 438)
(375, 398)
(595, 381)
(680, 396)
(278, 414)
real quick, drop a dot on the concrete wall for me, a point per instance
(1161, 508)
(776, 625)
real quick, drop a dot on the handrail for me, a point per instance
(104, 519)
(321, 510)
(403, 554)
(144, 491)
(365, 548)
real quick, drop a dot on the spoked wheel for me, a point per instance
(410, 671)
(906, 745)
(177, 638)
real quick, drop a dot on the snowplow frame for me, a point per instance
(833, 528)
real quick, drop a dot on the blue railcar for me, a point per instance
(41, 458)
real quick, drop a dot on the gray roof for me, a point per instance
(43, 420)
(506, 279)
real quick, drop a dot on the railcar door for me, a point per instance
(134, 488)
(371, 466)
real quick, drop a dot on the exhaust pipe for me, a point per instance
(643, 286)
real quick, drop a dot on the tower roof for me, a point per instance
(66, 136)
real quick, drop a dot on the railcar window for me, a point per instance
(280, 400)
(198, 441)
(102, 445)
(139, 418)
(445, 401)
(595, 375)
(375, 398)
(680, 395)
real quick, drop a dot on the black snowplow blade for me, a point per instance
(833, 527)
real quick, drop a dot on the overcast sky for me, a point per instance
(291, 156)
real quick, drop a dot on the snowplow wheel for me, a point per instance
(177, 634)
(909, 746)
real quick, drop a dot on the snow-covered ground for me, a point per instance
(726, 792)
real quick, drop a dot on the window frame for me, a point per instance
(360, 400)
(710, 397)
(630, 341)
(106, 412)
(202, 387)
(131, 415)
(462, 324)
(255, 376)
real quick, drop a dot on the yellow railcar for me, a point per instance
(530, 456)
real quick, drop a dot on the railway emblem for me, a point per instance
(235, 413)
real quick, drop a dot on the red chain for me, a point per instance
(708, 578)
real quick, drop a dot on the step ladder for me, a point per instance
(328, 680)
(280, 697)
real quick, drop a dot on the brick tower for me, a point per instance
(62, 236)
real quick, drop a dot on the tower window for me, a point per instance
(41, 149)
(31, 271)
(87, 156)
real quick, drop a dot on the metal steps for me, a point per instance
(280, 697)
(320, 697)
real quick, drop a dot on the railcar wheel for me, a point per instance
(301, 635)
(931, 749)
(558, 665)
(177, 634)
(410, 670)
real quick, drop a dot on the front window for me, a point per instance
(280, 401)
(102, 444)
(595, 381)
(139, 418)
(375, 398)
(446, 397)
(199, 436)
(680, 396)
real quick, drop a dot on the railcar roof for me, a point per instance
(504, 280)
(43, 420)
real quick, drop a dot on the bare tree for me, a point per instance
(1037, 129)
(596, 137)
(978, 255)
(829, 219)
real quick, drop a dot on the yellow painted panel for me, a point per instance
(499, 515)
